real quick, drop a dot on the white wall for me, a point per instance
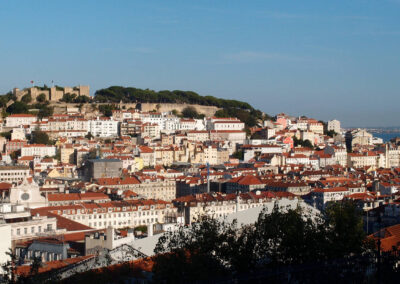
(5, 243)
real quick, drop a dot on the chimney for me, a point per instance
(150, 230)
(110, 237)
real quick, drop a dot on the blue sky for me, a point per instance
(324, 59)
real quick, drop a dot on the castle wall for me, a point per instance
(206, 110)
(52, 94)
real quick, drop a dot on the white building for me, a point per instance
(307, 135)
(119, 214)
(103, 127)
(18, 134)
(321, 196)
(23, 225)
(27, 194)
(5, 244)
(256, 150)
(38, 150)
(334, 125)
(316, 127)
(12, 174)
(358, 160)
(16, 120)
(228, 125)
(187, 124)
(339, 154)
(151, 130)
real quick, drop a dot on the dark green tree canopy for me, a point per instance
(191, 112)
(106, 110)
(41, 98)
(40, 137)
(333, 244)
(26, 98)
(17, 107)
(45, 111)
(229, 108)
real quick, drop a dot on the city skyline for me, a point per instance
(324, 60)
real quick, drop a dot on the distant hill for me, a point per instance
(233, 108)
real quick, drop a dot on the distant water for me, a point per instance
(387, 136)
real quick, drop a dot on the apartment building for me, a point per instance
(150, 187)
(13, 174)
(320, 197)
(221, 205)
(40, 150)
(16, 120)
(334, 125)
(103, 127)
(359, 160)
(119, 214)
(151, 130)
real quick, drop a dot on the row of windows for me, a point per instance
(32, 230)
(135, 214)
(13, 174)
(140, 222)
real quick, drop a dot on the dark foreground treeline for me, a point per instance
(284, 246)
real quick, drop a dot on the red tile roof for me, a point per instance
(52, 265)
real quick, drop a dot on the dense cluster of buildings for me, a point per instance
(104, 182)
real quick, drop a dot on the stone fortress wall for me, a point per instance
(61, 107)
(52, 94)
(206, 110)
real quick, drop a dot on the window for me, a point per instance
(18, 232)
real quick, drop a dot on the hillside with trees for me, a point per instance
(233, 108)
(41, 107)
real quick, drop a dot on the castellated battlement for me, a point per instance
(52, 94)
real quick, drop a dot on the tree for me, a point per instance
(36, 264)
(45, 111)
(106, 110)
(82, 99)
(331, 133)
(9, 267)
(15, 154)
(190, 112)
(186, 255)
(58, 155)
(41, 98)
(7, 135)
(92, 154)
(282, 243)
(26, 98)
(68, 98)
(89, 135)
(257, 135)
(40, 137)
(17, 107)
(239, 154)
(304, 143)
(346, 228)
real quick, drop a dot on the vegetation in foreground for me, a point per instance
(281, 247)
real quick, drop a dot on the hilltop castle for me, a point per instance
(53, 93)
